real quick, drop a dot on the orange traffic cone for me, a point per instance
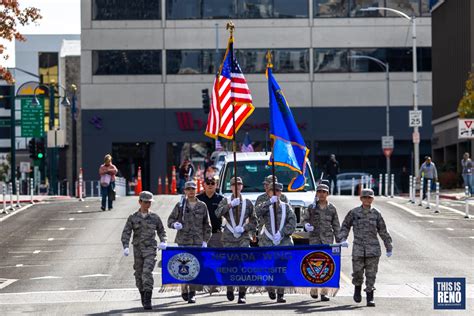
(167, 186)
(138, 187)
(173, 180)
(160, 189)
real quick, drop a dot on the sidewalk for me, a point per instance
(454, 194)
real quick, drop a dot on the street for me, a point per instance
(66, 258)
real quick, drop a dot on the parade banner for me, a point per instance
(289, 266)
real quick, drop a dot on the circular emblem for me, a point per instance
(317, 267)
(184, 266)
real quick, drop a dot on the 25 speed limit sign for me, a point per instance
(415, 119)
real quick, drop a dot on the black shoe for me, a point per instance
(230, 295)
(281, 299)
(242, 299)
(324, 298)
(272, 295)
(142, 295)
(370, 299)
(147, 300)
(314, 294)
(111, 208)
(357, 295)
(102, 208)
(185, 296)
(192, 298)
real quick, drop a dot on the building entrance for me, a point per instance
(128, 157)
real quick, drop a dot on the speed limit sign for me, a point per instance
(415, 119)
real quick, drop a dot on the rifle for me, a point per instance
(181, 209)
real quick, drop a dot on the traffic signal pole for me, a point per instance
(12, 137)
(52, 151)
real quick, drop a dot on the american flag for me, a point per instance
(229, 87)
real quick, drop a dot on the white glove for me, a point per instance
(389, 254)
(178, 226)
(239, 229)
(126, 252)
(274, 199)
(204, 244)
(277, 236)
(308, 227)
(162, 245)
(344, 244)
(235, 202)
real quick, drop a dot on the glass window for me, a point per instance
(356, 5)
(367, 65)
(188, 62)
(410, 7)
(252, 60)
(255, 9)
(126, 62)
(400, 59)
(291, 61)
(425, 8)
(183, 9)
(330, 8)
(330, 60)
(218, 9)
(424, 58)
(290, 9)
(126, 10)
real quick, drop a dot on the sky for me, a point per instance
(59, 17)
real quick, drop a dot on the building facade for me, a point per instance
(453, 59)
(144, 65)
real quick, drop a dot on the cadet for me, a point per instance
(144, 223)
(367, 222)
(322, 223)
(267, 184)
(191, 219)
(240, 225)
(277, 229)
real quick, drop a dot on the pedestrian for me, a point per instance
(190, 218)
(212, 199)
(107, 172)
(467, 171)
(240, 226)
(144, 224)
(322, 223)
(332, 170)
(367, 221)
(279, 222)
(186, 172)
(405, 180)
(428, 172)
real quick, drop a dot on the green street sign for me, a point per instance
(32, 118)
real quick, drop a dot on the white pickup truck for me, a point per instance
(253, 167)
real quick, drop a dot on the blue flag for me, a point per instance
(289, 148)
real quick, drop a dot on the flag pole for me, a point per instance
(230, 27)
(269, 66)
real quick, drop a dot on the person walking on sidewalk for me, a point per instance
(107, 172)
(322, 223)
(467, 171)
(190, 218)
(332, 170)
(240, 227)
(145, 225)
(428, 172)
(367, 222)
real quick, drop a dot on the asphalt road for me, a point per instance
(66, 258)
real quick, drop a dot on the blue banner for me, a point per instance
(292, 266)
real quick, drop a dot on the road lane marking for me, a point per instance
(46, 277)
(25, 266)
(48, 239)
(95, 275)
(16, 212)
(465, 237)
(406, 209)
(6, 282)
(63, 228)
(71, 219)
(453, 210)
(449, 228)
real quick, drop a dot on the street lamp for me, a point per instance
(386, 67)
(416, 135)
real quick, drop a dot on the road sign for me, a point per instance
(415, 119)
(466, 128)
(387, 142)
(24, 167)
(416, 138)
(387, 152)
(32, 118)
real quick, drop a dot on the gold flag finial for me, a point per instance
(230, 27)
(269, 59)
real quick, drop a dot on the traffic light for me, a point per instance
(6, 93)
(205, 100)
(32, 148)
(40, 149)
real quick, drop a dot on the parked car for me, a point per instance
(253, 167)
(218, 158)
(344, 182)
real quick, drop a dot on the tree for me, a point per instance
(11, 17)
(466, 105)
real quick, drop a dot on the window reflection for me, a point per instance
(291, 61)
(183, 9)
(330, 8)
(356, 5)
(186, 62)
(252, 9)
(126, 10)
(126, 62)
(330, 60)
(218, 9)
(425, 8)
(410, 7)
(290, 9)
